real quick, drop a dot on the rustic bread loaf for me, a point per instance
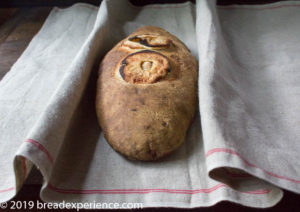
(146, 94)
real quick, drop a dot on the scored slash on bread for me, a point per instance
(153, 41)
(144, 67)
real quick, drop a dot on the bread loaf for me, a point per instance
(146, 94)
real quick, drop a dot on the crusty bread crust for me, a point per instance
(147, 120)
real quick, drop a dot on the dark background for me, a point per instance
(29, 192)
(49, 3)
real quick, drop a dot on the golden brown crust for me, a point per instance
(149, 119)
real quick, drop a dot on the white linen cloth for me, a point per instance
(250, 90)
(249, 105)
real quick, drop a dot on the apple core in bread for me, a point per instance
(144, 67)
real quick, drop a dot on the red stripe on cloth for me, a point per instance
(147, 191)
(229, 151)
(8, 189)
(256, 8)
(41, 147)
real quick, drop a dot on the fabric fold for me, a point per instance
(45, 81)
(248, 77)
